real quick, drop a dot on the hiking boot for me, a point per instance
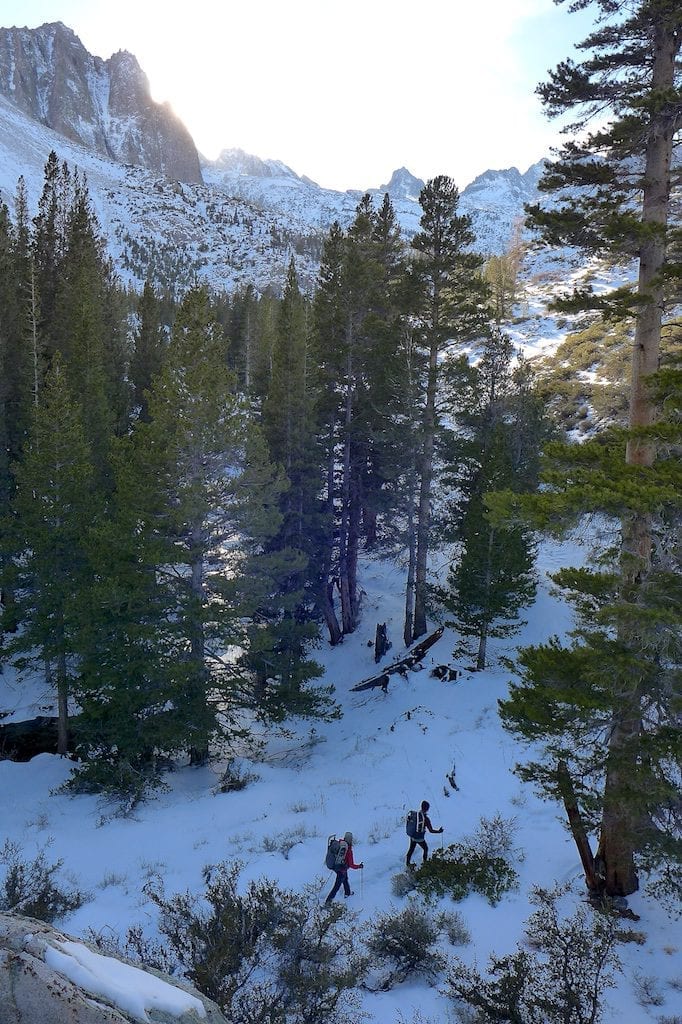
(347, 894)
(410, 867)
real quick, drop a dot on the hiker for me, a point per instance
(344, 861)
(418, 823)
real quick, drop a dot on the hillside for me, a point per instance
(388, 752)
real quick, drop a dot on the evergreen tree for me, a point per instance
(328, 325)
(279, 645)
(152, 666)
(148, 351)
(79, 326)
(500, 431)
(182, 568)
(49, 240)
(448, 296)
(357, 336)
(569, 694)
(7, 370)
(51, 512)
(621, 173)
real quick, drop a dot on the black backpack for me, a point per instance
(336, 853)
(415, 824)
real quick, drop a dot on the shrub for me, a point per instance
(457, 871)
(496, 837)
(30, 888)
(482, 862)
(455, 927)
(234, 778)
(562, 980)
(403, 944)
(647, 990)
(403, 883)
(265, 955)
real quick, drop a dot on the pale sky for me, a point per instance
(342, 92)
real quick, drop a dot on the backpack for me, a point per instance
(415, 826)
(336, 853)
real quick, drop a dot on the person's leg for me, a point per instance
(426, 851)
(413, 847)
(346, 884)
(337, 885)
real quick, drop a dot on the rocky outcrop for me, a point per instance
(105, 105)
(47, 977)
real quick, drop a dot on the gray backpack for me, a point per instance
(415, 825)
(336, 853)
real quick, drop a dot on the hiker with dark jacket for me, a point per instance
(342, 870)
(418, 838)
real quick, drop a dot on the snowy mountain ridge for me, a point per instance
(168, 214)
(105, 105)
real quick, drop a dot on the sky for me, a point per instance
(343, 93)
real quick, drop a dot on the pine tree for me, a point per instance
(500, 429)
(289, 426)
(149, 346)
(357, 336)
(79, 326)
(448, 296)
(622, 175)
(49, 243)
(153, 673)
(328, 326)
(51, 513)
(569, 694)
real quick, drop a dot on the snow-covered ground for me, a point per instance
(387, 753)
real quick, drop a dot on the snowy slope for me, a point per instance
(242, 225)
(362, 773)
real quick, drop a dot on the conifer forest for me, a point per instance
(190, 479)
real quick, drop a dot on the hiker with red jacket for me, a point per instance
(344, 861)
(418, 824)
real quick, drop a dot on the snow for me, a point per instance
(362, 773)
(130, 989)
(221, 231)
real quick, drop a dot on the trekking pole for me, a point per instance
(362, 884)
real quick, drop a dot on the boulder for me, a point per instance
(47, 977)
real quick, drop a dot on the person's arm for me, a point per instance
(350, 863)
(429, 826)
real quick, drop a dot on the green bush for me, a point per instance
(403, 944)
(458, 871)
(264, 954)
(560, 980)
(30, 888)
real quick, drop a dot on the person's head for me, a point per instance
(348, 838)
(425, 806)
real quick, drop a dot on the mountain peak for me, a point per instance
(238, 162)
(403, 185)
(104, 105)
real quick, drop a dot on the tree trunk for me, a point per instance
(344, 582)
(326, 586)
(485, 625)
(482, 647)
(62, 706)
(618, 840)
(411, 565)
(424, 507)
(354, 522)
(594, 883)
(198, 750)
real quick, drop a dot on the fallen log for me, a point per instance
(20, 741)
(412, 657)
